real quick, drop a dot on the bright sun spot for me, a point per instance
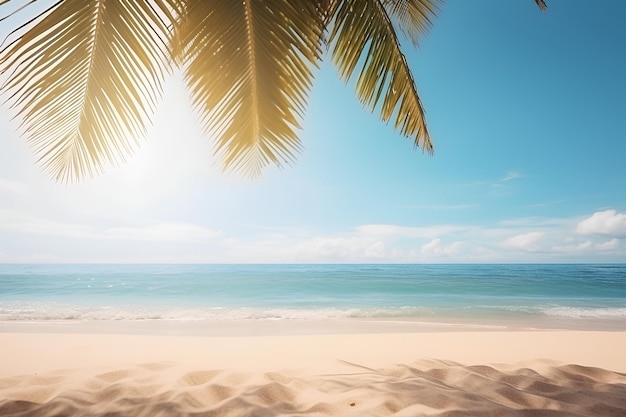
(174, 155)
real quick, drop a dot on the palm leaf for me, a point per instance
(84, 77)
(363, 36)
(248, 65)
(542, 4)
(414, 17)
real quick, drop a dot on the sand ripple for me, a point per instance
(427, 388)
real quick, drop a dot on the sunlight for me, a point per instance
(174, 153)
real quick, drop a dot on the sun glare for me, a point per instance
(174, 154)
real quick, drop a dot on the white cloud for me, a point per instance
(393, 231)
(177, 231)
(16, 222)
(284, 249)
(366, 243)
(525, 241)
(573, 247)
(343, 248)
(588, 246)
(30, 258)
(158, 231)
(337, 248)
(511, 175)
(609, 245)
(435, 248)
(535, 222)
(608, 222)
(118, 240)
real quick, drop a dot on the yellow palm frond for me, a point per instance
(363, 36)
(85, 77)
(248, 65)
(413, 16)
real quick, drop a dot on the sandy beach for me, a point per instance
(422, 373)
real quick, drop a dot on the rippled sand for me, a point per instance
(425, 388)
(487, 374)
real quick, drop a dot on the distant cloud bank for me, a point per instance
(594, 238)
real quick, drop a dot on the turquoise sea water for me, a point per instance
(578, 295)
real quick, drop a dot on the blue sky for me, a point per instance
(526, 110)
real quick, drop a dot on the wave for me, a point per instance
(54, 311)
(580, 312)
(49, 311)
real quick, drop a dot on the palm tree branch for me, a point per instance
(414, 17)
(248, 65)
(84, 78)
(542, 4)
(363, 35)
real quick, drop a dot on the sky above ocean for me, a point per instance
(526, 110)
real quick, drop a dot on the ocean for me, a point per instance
(570, 296)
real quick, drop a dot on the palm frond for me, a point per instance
(414, 17)
(84, 77)
(542, 4)
(248, 65)
(363, 35)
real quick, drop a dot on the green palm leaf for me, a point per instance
(248, 65)
(363, 36)
(85, 77)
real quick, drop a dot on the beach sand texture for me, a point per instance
(339, 375)
(427, 388)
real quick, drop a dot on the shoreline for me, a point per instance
(285, 327)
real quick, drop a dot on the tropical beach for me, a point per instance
(130, 339)
(216, 209)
